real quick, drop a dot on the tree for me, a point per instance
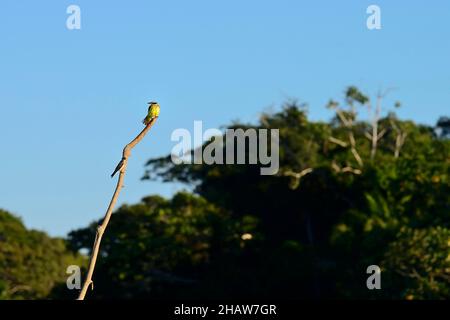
(339, 209)
(31, 263)
(419, 260)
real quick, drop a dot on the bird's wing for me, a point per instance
(119, 166)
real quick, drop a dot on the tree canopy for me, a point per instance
(31, 262)
(343, 199)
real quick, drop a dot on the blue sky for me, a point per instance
(70, 100)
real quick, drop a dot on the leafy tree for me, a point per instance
(341, 205)
(31, 263)
(419, 263)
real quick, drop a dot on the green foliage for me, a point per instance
(160, 246)
(418, 261)
(339, 221)
(31, 263)
(353, 94)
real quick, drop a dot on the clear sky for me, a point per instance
(71, 99)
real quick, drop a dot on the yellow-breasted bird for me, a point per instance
(153, 112)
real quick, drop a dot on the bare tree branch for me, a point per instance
(381, 134)
(345, 121)
(338, 142)
(298, 175)
(375, 136)
(368, 135)
(355, 153)
(399, 140)
(102, 227)
(348, 169)
(351, 170)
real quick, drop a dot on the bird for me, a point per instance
(119, 167)
(153, 112)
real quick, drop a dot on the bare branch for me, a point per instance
(383, 94)
(355, 153)
(102, 227)
(381, 134)
(351, 138)
(351, 170)
(298, 175)
(338, 142)
(344, 120)
(357, 156)
(345, 169)
(335, 167)
(19, 288)
(399, 142)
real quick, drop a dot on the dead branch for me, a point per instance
(399, 140)
(298, 175)
(375, 136)
(347, 169)
(355, 153)
(102, 227)
(338, 142)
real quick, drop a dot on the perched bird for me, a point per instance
(119, 167)
(153, 112)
